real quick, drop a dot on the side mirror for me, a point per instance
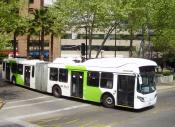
(140, 80)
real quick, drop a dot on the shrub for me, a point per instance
(167, 73)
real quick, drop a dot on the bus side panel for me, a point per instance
(41, 74)
(91, 93)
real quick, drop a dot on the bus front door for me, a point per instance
(77, 84)
(27, 76)
(125, 92)
(7, 71)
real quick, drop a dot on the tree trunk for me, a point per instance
(39, 45)
(131, 42)
(42, 44)
(104, 41)
(28, 43)
(14, 45)
(142, 45)
(51, 47)
(90, 42)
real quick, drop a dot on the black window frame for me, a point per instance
(90, 80)
(20, 71)
(53, 77)
(14, 67)
(33, 71)
(3, 66)
(106, 80)
(123, 81)
(63, 75)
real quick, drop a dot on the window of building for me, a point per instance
(31, 1)
(14, 67)
(33, 71)
(20, 69)
(31, 10)
(3, 64)
(63, 75)
(106, 80)
(93, 79)
(54, 74)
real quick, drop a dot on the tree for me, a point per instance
(91, 15)
(12, 21)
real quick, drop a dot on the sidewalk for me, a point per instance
(164, 86)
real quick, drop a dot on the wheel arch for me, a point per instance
(106, 93)
(57, 85)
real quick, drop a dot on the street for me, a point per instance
(25, 107)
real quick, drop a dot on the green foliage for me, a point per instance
(5, 41)
(167, 73)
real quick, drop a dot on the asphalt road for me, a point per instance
(24, 107)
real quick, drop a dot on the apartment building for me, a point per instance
(34, 44)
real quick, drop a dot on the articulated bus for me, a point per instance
(126, 82)
(20, 71)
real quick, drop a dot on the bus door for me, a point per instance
(77, 84)
(8, 71)
(27, 76)
(125, 91)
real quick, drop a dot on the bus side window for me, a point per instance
(3, 64)
(93, 79)
(106, 80)
(63, 75)
(20, 69)
(33, 71)
(54, 74)
(14, 67)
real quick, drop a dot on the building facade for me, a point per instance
(50, 52)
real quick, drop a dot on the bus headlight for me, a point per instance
(141, 99)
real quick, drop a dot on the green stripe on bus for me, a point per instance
(78, 67)
(89, 93)
(19, 79)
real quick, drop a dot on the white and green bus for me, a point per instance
(126, 82)
(20, 71)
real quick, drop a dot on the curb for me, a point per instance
(1, 103)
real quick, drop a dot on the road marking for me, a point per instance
(26, 105)
(27, 99)
(23, 123)
(49, 112)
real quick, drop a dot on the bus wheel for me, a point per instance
(108, 101)
(56, 91)
(13, 80)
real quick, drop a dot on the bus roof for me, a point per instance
(66, 60)
(118, 62)
(14, 59)
(31, 62)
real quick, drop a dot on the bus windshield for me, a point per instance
(147, 84)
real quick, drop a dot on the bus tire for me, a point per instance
(56, 91)
(13, 80)
(108, 101)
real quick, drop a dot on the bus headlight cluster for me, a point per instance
(141, 99)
